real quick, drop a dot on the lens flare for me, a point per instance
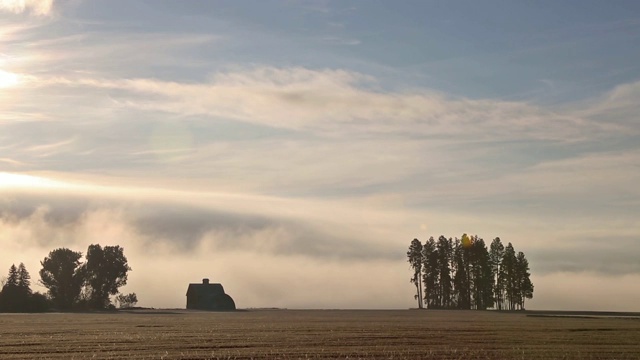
(466, 241)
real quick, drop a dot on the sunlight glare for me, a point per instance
(7, 79)
(26, 181)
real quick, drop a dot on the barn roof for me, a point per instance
(205, 288)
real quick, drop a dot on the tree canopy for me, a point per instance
(105, 271)
(62, 274)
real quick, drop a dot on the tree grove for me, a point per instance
(466, 274)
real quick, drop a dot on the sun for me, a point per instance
(25, 181)
(7, 79)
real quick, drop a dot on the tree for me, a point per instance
(480, 275)
(127, 301)
(524, 284)
(462, 287)
(38, 303)
(430, 274)
(465, 274)
(509, 276)
(24, 279)
(62, 274)
(106, 271)
(11, 297)
(496, 253)
(444, 252)
(15, 296)
(414, 256)
(12, 279)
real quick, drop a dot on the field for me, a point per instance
(318, 334)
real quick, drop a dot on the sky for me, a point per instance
(291, 150)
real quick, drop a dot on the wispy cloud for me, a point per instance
(10, 161)
(34, 7)
(618, 107)
(48, 149)
(339, 101)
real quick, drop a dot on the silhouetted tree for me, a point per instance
(461, 277)
(24, 279)
(106, 271)
(12, 278)
(524, 284)
(482, 297)
(414, 255)
(496, 253)
(38, 303)
(445, 285)
(63, 276)
(510, 278)
(430, 273)
(12, 297)
(16, 295)
(465, 274)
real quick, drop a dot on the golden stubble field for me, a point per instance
(316, 334)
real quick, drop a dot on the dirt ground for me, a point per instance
(319, 334)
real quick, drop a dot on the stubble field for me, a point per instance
(317, 334)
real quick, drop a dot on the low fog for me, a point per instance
(271, 252)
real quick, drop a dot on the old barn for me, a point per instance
(208, 296)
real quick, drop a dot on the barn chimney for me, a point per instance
(205, 281)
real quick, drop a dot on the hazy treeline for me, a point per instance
(465, 274)
(70, 283)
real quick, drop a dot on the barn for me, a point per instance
(208, 296)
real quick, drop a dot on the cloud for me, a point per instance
(47, 218)
(249, 243)
(271, 251)
(618, 107)
(337, 102)
(338, 230)
(593, 182)
(34, 7)
(12, 162)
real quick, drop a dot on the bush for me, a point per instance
(127, 301)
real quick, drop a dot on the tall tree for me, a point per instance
(414, 255)
(430, 273)
(24, 279)
(62, 275)
(106, 271)
(482, 297)
(461, 279)
(444, 254)
(12, 278)
(524, 284)
(508, 273)
(496, 253)
(10, 297)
